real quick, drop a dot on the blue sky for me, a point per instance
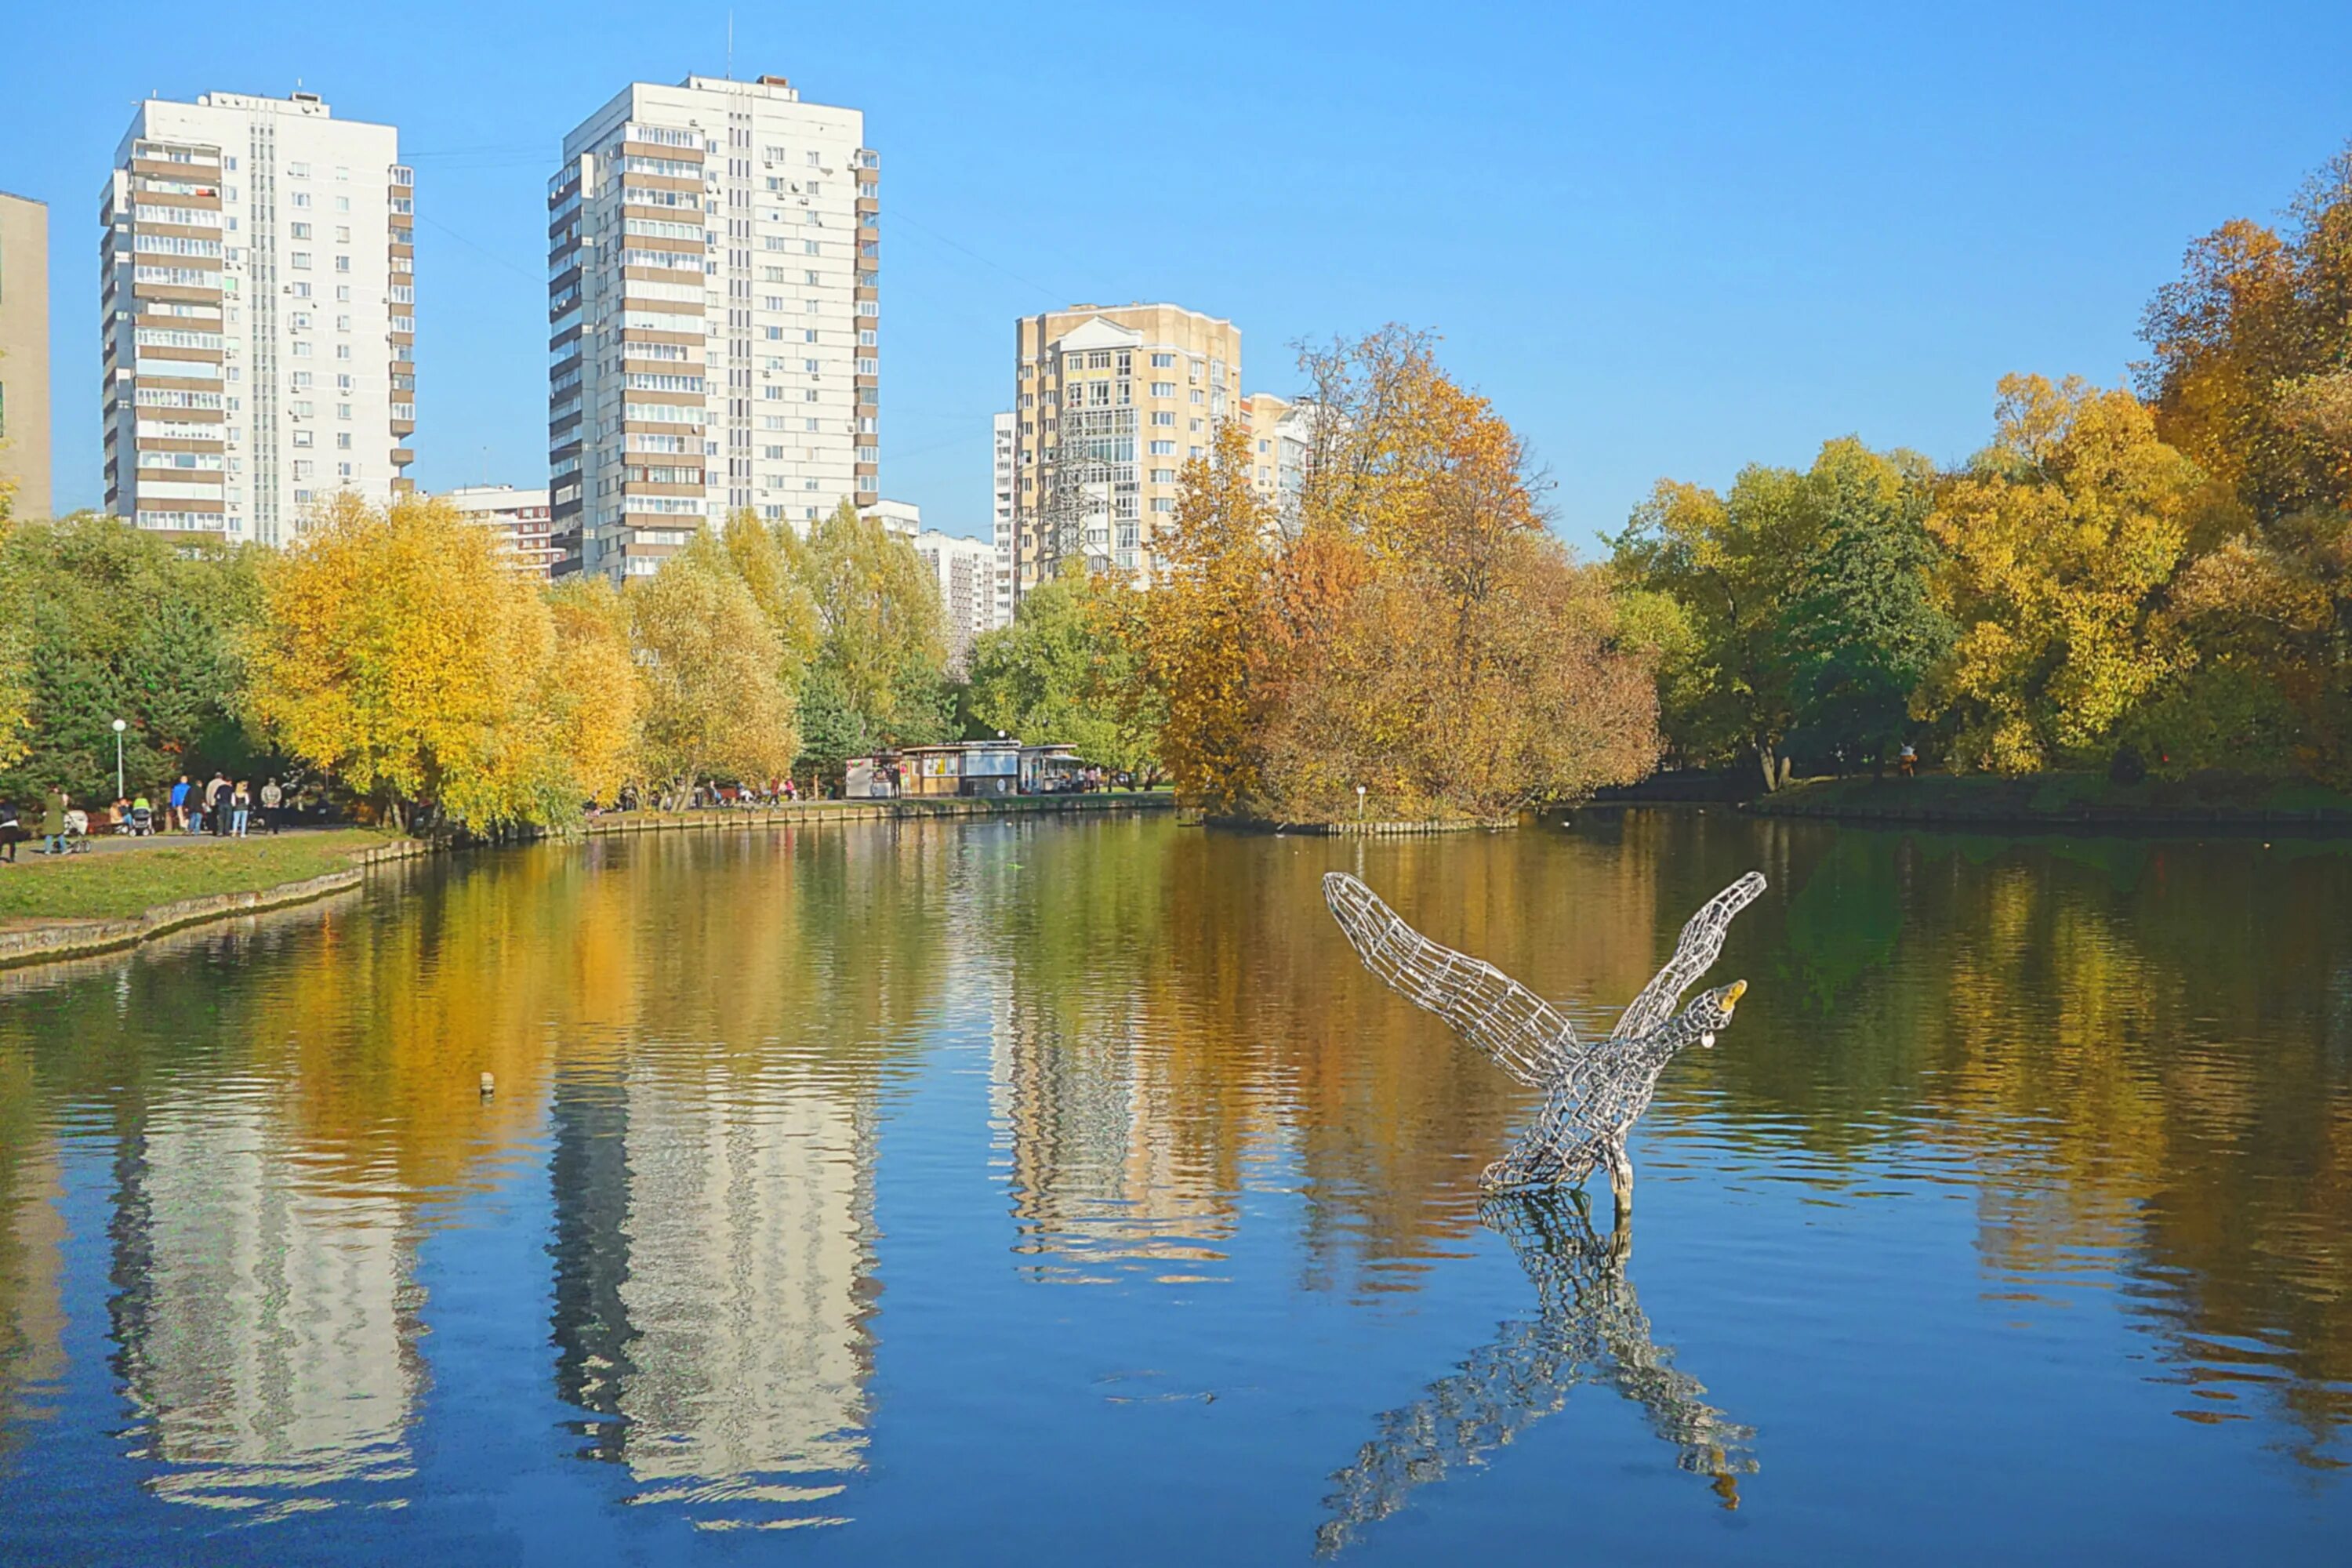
(1665, 241)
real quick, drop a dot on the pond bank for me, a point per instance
(223, 881)
(245, 878)
(2072, 801)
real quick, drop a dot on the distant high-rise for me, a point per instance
(257, 285)
(1110, 403)
(713, 314)
(966, 570)
(1281, 438)
(1005, 432)
(518, 519)
(25, 356)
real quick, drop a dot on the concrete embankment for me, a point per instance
(55, 940)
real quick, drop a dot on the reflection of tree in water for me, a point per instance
(1587, 1329)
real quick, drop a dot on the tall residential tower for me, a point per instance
(713, 316)
(1111, 403)
(258, 289)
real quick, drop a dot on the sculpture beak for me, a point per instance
(1731, 997)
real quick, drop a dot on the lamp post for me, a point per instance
(1360, 803)
(120, 726)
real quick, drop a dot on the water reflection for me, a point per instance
(225, 1165)
(268, 1325)
(1587, 1329)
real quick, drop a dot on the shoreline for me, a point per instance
(2044, 803)
(57, 941)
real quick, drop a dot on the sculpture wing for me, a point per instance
(1694, 953)
(1521, 1032)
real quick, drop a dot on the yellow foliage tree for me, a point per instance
(590, 689)
(397, 651)
(2057, 539)
(1196, 630)
(714, 700)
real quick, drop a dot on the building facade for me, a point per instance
(714, 317)
(258, 292)
(1109, 403)
(25, 356)
(966, 570)
(1281, 434)
(1005, 433)
(899, 519)
(519, 519)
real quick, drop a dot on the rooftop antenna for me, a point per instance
(730, 45)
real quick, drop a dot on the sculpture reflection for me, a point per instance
(1587, 1329)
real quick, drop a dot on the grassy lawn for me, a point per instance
(111, 886)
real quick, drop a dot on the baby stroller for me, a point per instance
(141, 822)
(77, 832)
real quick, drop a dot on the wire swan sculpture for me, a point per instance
(1594, 1090)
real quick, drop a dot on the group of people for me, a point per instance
(224, 809)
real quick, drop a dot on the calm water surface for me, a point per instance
(1018, 1192)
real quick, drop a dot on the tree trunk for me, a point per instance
(1764, 759)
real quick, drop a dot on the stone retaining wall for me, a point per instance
(78, 939)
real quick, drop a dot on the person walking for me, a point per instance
(179, 800)
(272, 799)
(217, 803)
(11, 831)
(240, 808)
(53, 821)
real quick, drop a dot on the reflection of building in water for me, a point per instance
(1101, 1173)
(32, 1257)
(268, 1334)
(1587, 1329)
(713, 1283)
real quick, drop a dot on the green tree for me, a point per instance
(878, 674)
(1732, 563)
(101, 621)
(1055, 677)
(1862, 629)
(712, 674)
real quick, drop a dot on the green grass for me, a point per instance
(113, 886)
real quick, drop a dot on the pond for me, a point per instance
(1029, 1191)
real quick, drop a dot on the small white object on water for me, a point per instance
(489, 1086)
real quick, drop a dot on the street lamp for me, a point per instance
(119, 727)
(1360, 803)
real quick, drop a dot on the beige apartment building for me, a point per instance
(1109, 403)
(25, 355)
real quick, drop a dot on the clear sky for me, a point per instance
(1666, 240)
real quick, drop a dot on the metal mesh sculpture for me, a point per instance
(1587, 1329)
(1594, 1091)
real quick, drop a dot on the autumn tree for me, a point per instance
(397, 651)
(712, 674)
(1195, 630)
(2250, 376)
(589, 688)
(2057, 539)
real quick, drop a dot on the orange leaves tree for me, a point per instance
(1421, 634)
(397, 652)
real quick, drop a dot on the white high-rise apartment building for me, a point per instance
(257, 287)
(1007, 433)
(713, 316)
(966, 571)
